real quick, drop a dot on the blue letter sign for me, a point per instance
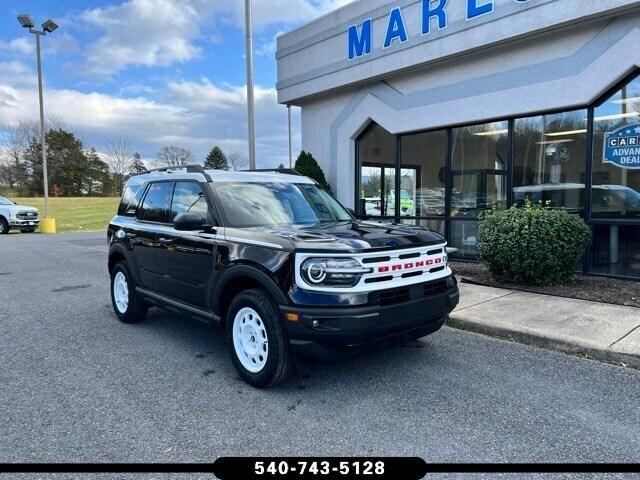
(360, 44)
(474, 10)
(395, 28)
(622, 147)
(439, 12)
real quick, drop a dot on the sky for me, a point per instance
(155, 72)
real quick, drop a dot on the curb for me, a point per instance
(458, 322)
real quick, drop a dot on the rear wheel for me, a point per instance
(4, 226)
(127, 304)
(257, 339)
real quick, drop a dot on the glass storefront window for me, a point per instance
(479, 168)
(377, 158)
(616, 155)
(616, 250)
(434, 225)
(422, 175)
(549, 159)
(463, 235)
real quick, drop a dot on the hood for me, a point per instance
(25, 208)
(347, 236)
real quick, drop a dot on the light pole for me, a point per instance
(250, 100)
(48, 224)
(290, 143)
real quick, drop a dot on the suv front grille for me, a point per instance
(389, 268)
(403, 295)
(27, 215)
(394, 297)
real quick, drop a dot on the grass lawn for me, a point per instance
(76, 214)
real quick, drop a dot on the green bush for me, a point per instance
(306, 165)
(534, 244)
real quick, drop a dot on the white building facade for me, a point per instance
(428, 112)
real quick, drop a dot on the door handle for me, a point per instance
(165, 241)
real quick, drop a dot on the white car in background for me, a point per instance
(18, 217)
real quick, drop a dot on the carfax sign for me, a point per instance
(622, 147)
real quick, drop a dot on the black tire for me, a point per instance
(4, 226)
(279, 364)
(136, 308)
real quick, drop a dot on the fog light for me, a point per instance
(316, 324)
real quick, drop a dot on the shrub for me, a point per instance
(534, 244)
(306, 165)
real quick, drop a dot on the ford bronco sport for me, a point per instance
(278, 262)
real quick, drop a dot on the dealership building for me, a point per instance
(428, 112)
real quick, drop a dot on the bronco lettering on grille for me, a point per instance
(409, 266)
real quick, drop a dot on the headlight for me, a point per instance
(332, 272)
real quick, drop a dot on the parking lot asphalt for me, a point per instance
(78, 386)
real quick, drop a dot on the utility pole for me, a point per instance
(250, 99)
(42, 132)
(48, 224)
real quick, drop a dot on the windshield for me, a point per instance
(266, 204)
(5, 201)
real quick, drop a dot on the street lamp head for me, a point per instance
(49, 26)
(26, 21)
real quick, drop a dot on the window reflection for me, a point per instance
(377, 157)
(463, 235)
(616, 171)
(479, 168)
(549, 153)
(422, 176)
(616, 250)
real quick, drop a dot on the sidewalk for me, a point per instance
(604, 332)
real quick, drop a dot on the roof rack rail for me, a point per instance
(187, 168)
(287, 171)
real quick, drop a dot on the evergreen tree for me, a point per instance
(306, 165)
(216, 159)
(137, 165)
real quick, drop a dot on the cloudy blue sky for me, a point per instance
(158, 72)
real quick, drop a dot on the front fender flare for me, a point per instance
(253, 273)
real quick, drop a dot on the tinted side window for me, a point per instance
(130, 199)
(156, 202)
(188, 197)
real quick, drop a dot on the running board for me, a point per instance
(176, 304)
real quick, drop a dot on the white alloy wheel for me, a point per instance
(250, 339)
(121, 292)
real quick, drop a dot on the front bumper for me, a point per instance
(18, 223)
(332, 332)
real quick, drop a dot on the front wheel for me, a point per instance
(4, 226)
(257, 339)
(127, 304)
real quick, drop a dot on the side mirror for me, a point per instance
(188, 222)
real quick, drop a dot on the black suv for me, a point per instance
(278, 262)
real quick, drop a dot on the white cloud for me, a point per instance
(165, 32)
(143, 32)
(269, 48)
(22, 45)
(193, 115)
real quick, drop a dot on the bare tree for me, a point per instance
(119, 157)
(237, 162)
(15, 138)
(172, 156)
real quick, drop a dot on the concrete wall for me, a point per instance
(561, 54)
